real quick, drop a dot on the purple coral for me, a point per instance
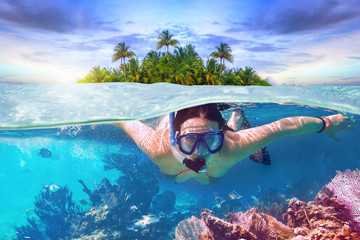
(190, 229)
(346, 188)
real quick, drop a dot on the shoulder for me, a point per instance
(234, 149)
(231, 141)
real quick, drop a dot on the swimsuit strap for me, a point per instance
(179, 174)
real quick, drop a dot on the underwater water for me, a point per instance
(52, 136)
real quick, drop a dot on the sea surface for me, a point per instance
(52, 136)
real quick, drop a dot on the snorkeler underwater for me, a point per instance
(203, 146)
(171, 172)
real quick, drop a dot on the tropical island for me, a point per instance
(184, 66)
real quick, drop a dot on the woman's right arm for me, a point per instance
(153, 143)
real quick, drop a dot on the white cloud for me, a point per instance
(325, 59)
(272, 81)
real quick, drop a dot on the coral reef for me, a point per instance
(251, 225)
(228, 203)
(131, 208)
(30, 231)
(56, 213)
(190, 229)
(134, 208)
(346, 187)
(332, 215)
(122, 215)
(272, 203)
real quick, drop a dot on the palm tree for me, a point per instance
(224, 53)
(134, 69)
(96, 75)
(180, 53)
(165, 40)
(211, 68)
(248, 76)
(153, 55)
(190, 50)
(122, 52)
(150, 65)
(113, 75)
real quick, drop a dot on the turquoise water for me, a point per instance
(71, 121)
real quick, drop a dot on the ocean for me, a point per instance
(64, 166)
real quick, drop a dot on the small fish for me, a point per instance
(234, 195)
(254, 198)
(45, 153)
(29, 212)
(53, 188)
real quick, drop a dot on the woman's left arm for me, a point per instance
(244, 142)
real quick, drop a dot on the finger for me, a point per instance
(335, 137)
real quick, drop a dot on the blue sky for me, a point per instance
(308, 42)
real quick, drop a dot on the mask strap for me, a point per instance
(172, 129)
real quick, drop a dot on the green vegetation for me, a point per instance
(183, 66)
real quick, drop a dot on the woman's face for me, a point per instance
(199, 125)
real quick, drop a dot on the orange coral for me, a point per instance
(330, 216)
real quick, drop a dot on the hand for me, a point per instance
(338, 123)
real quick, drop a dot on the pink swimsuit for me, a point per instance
(187, 171)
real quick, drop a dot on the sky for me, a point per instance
(302, 43)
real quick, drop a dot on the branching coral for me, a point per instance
(56, 210)
(118, 211)
(330, 216)
(30, 231)
(123, 210)
(346, 187)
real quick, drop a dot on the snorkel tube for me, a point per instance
(198, 165)
(174, 149)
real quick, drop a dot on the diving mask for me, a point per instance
(213, 142)
(186, 144)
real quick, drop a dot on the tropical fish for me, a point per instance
(29, 212)
(234, 195)
(53, 188)
(45, 153)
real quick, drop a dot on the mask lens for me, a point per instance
(187, 142)
(213, 141)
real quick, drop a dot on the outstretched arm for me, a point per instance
(153, 143)
(244, 142)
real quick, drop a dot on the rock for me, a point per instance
(221, 229)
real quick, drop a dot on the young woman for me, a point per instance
(197, 142)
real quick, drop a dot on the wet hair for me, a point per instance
(209, 111)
